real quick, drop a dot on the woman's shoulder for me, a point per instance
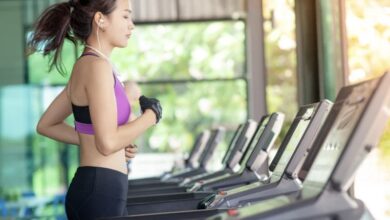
(94, 68)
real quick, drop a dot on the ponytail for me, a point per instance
(50, 32)
(70, 20)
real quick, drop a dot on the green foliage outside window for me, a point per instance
(205, 50)
(211, 51)
(368, 32)
(280, 57)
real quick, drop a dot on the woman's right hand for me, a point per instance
(152, 104)
(130, 152)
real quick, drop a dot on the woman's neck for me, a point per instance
(103, 48)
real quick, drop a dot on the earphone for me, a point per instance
(101, 21)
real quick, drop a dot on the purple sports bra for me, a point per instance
(83, 122)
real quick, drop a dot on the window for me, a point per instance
(280, 55)
(196, 69)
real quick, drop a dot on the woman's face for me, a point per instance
(120, 24)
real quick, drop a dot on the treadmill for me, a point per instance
(232, 157)
(351, 131)
(254, 165)
(286, 164)
(190, 163)
(193, 159)
(209, 149)
(260, 144)
(296, 144)
(237, 139)
(240, 143)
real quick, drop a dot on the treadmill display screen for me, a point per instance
(293, 142)
(347, 113)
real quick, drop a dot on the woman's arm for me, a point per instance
(109, 137)
(52, 123)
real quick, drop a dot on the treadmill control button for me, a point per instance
(232, 212)
(222, 193)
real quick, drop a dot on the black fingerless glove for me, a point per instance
(152, 104)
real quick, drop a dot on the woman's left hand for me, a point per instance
(131, 151)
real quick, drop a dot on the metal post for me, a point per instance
(257, 79)
(307, 52)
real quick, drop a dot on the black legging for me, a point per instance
(96, 192)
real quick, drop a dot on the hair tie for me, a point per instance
(71, 3)
(71, 6)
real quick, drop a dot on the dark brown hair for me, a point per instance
(70, 20)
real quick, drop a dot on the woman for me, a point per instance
(97, 100)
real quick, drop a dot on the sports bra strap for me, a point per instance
(68, 85)
(89, 54)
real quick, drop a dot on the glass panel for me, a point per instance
(179, 51)
(30, 164)
(189, 108)
(368, 32)
(368, 38)
(184, 51)
(280, 46)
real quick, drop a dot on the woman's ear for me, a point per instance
(99, 19)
